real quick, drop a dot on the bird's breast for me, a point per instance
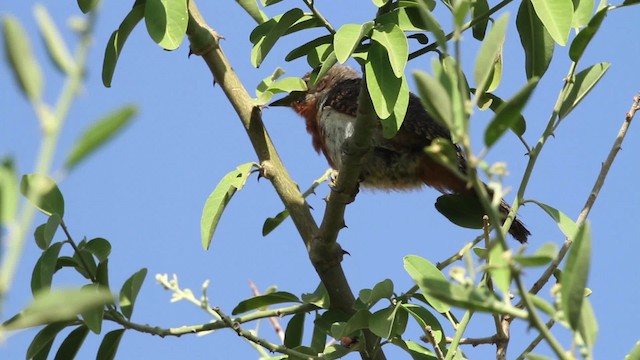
(336, 127)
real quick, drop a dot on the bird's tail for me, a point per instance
(517, 230)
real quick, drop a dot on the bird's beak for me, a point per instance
(289, 99)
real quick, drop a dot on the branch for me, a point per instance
(204, 41)
(262, 342)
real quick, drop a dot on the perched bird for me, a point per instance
(329, 108)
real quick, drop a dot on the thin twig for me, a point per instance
(535, 342)
(262, 342)
(591, 199)
(273, 320)
(432, 340)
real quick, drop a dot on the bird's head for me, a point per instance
(315, 92)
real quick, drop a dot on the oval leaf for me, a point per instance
(538, 45)
(129, 292)
(575, 274)
(43, 193)
(117, 40)
(461, 209)
(99, 133)
(68, 304)
(87, 5)
(8, 191)
(109, 345)
(271, 31)
(295, 330)
(579, 44)
(56, 47)
(260, 301)
(166, 22)
(24, 66)
(508, 113)
(393, 39)
(566, 225)
(556, 15)
(423, 272)
(218, 200)
(345, 41)
(41, 343)
(583, 82)
(72, 343)
(488, 54)
(44, 269)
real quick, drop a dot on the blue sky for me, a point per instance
(144, 192)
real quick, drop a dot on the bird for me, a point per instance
(329, 108)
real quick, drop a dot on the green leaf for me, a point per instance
(389, 322)
(347, 38)
(461, 209)
(8, 191)
(99, 133)
(24, 65)
(295, 330)
(408, 19)
(99, 247)
(488, 54)
(379, 3)
(393, 39)
(509, 113)
(87, 5)
(384, 87)
(543, 256)
(499, 267)
(319, 298)
(260, 301)
(575, 274)
(582, 12)
(72, 343)
(635, 352)
(556, 15)
(583, 82)
(276, 28)
(251, 7)
(56, 47)
(579, 44)
(588, 327)
(86, 264)
(519, 126)
(538, 45)
(68, 303)
(219, 198)
(129, 292)
(359, 320)
(117, 40)
(425, 318)
(566, 225)
(532, 356)
(50, 229)
(435, 98)
(422, 272)
(319, 337)
(382, 290)
(102, 273)
(478, 8)
(434, 27)
(310, 47)
(41, 343)
(417, 351)
(44, 269)
(43, 193)
(166, 22)
(93, 317)
(109, 345)
(273, 222)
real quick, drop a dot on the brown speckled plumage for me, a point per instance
(399, 163)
